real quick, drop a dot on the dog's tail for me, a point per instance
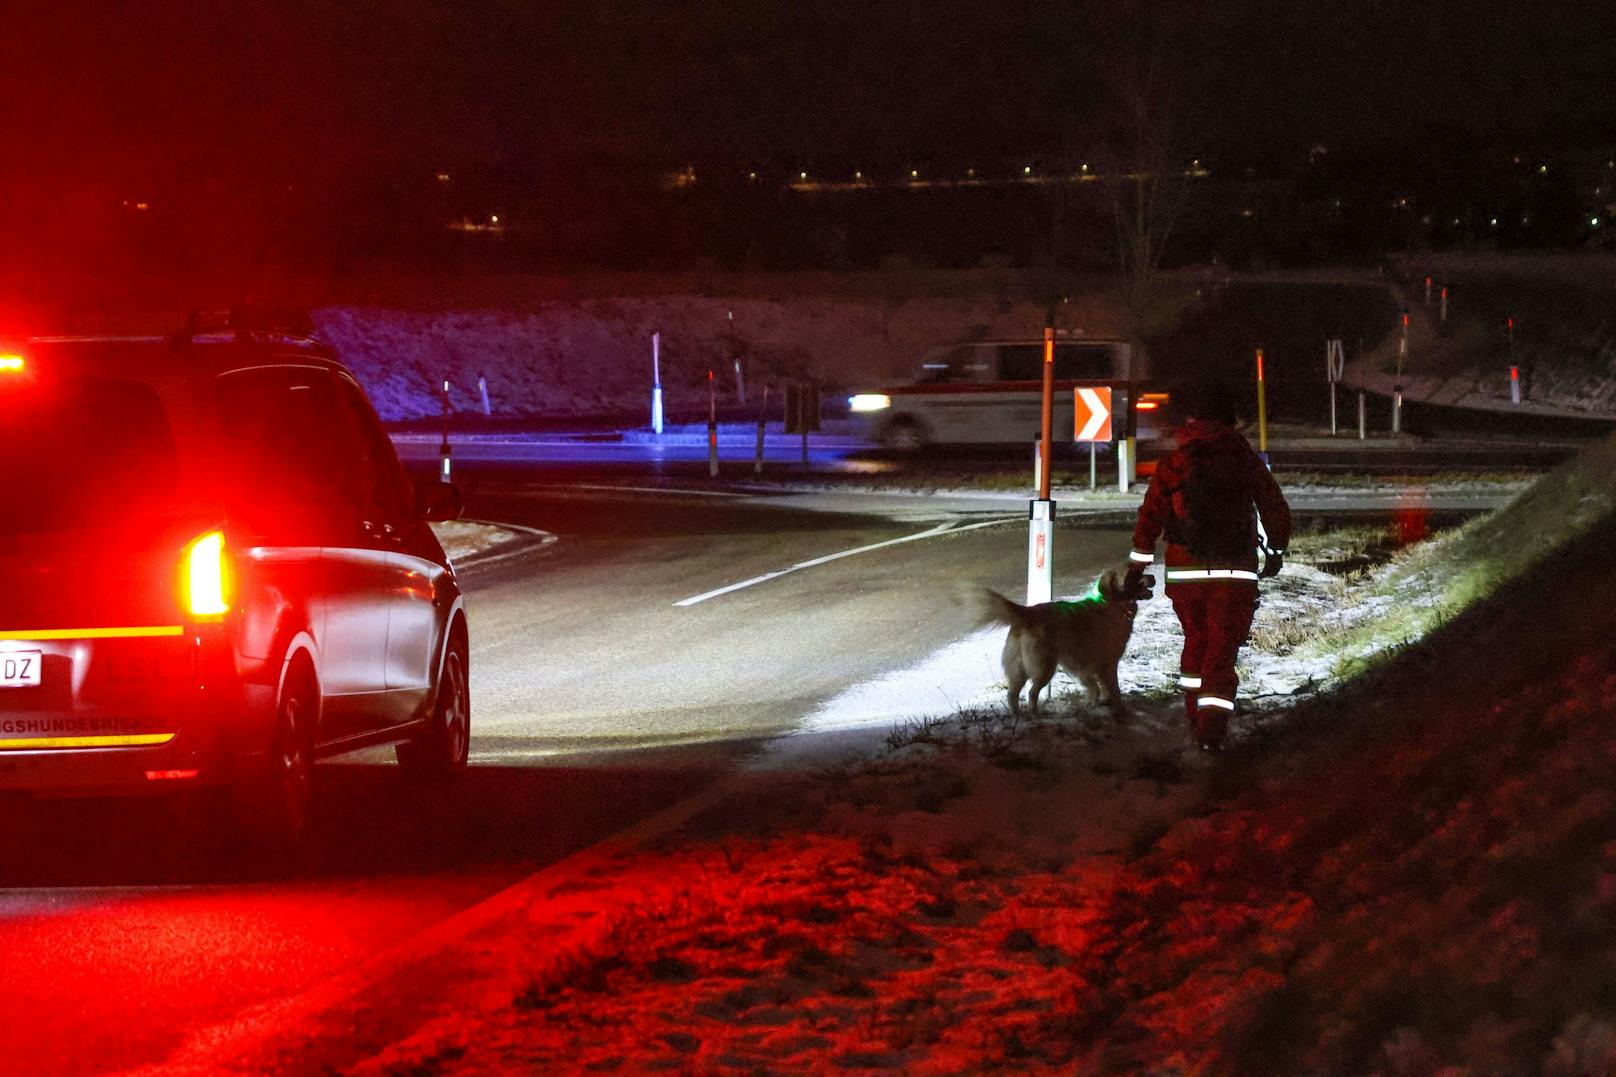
(992, 608)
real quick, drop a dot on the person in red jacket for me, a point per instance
(1207, 496)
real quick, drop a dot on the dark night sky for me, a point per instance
(120, 90)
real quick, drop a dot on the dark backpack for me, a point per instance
(1212, 510)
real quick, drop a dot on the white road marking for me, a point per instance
(941, 529)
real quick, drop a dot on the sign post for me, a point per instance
(1041, 512)
(802, 413)
(1335, 364)
(1091, 411)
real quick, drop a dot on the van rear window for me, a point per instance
(85, 453)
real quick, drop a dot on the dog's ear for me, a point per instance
(1110, 586)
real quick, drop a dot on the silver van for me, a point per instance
(991, 392)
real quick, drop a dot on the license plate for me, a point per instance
(19, 669)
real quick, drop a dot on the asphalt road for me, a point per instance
(131, 927)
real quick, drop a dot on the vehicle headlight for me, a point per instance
(869, 402)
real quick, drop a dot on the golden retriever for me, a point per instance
(1086, 638)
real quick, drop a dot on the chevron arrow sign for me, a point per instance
(1093, 408)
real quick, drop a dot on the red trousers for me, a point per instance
(1216, 617)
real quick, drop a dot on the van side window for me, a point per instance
(385, 476)
(1021, 362)
(948, 364)
(1080, 362)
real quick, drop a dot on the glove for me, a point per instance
(1137, 585)
(1272, 562)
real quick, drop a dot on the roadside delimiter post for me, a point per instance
(1397, 389)
(1262, 410)
(656, 383)
(1041, 511)
(712, 425)
(443, 445)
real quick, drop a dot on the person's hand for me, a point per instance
(1271, 564)
(1138, 585)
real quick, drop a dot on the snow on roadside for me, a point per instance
(464, 539)
(966, 674)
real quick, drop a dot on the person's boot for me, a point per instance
(1211, 726)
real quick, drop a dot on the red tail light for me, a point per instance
(207, 576)
(12, 364)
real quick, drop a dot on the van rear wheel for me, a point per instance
(275, 805)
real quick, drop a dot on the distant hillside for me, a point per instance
(1564, 309)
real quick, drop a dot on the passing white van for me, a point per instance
(989, 392)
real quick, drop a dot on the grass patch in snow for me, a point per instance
(1431, 582)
